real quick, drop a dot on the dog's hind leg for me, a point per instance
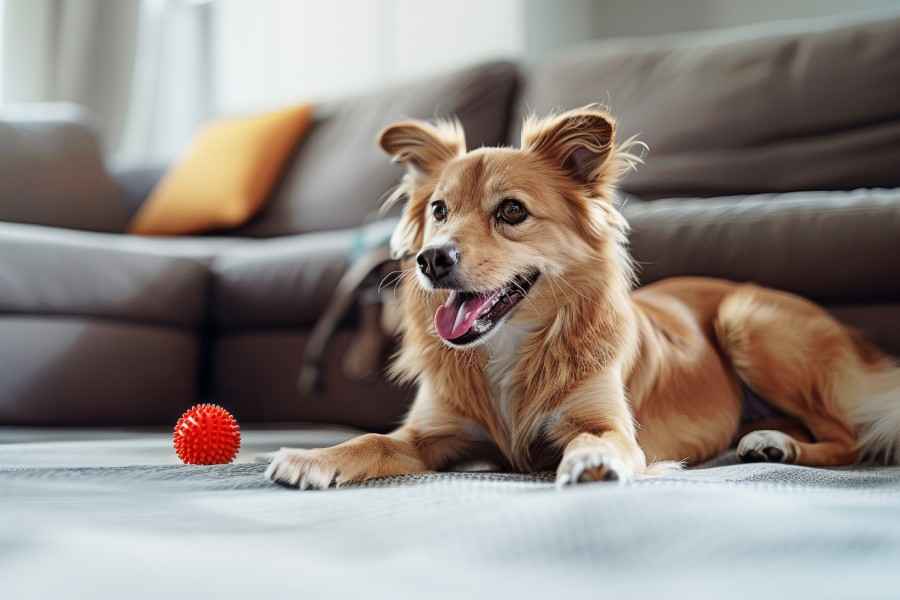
(793, 354)
(771, 445)
(770, 439)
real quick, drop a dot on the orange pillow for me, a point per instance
(225, 176)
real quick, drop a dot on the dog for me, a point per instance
(523, 333)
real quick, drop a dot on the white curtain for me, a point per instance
(71, 51)
(137, 65)
(152, 70)
(171, 84)
(272, 52)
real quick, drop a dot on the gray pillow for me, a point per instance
(52, 171)
(338, 174)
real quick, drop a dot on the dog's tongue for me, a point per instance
(454, 318)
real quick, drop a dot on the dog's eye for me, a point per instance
(511, 212)
(439, 210)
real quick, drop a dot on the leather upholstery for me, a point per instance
(800, 106)
(52, 170)
(833, 247)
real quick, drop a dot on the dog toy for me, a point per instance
(206, 434)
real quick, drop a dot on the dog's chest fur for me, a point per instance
(523, 446)
(504, 350)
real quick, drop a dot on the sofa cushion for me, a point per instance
(281, 282)
(49, 271)
(226, 174)
(77, 371)
(246, 363)
(52, 170)
(836, 247)
(339, 175)
(807, 105)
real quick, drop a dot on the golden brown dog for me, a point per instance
(523, 334)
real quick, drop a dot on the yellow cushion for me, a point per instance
(225, 176)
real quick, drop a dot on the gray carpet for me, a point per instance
(123, 527)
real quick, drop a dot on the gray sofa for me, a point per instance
(775, 158)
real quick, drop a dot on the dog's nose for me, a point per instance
(438, 262)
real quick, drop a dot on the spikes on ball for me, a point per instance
(207, 434)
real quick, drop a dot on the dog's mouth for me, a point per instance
(467, 317)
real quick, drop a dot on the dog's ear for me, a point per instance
(424, 148)
(582, 142)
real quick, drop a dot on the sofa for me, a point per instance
(774, 158)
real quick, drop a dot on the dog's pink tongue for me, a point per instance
(452, 321)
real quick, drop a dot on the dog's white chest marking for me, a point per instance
(504, 351)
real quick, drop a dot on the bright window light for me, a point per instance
(2, 76)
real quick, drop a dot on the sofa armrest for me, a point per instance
(52, 170)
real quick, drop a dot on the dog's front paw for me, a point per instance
(591, 464)
(767, 446)
(304, 469)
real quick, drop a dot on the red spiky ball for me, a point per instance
(206, 434)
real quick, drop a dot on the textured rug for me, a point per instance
(157, 529)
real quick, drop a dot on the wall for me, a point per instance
(77, 52)
(25, 51)
(2, 53)
(271, 52)
(422, 37)
(613, 18)
(152, 70)
(547, 28)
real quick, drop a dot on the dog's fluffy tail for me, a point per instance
(875, 411)
(817, 358)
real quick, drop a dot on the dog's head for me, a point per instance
(496, 226)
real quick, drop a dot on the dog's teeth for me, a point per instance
(481, 325)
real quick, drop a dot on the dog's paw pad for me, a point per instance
(767, 446)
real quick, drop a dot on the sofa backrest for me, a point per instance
(798, 106)
(338, 175)
(52, 171)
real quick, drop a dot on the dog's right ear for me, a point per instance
(424, 149)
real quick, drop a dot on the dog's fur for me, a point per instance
(584, 375)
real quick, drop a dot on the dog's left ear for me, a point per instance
(581, 142)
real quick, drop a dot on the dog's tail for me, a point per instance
(874, 409)
(816, 358)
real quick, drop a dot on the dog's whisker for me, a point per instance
(566, 296)
(551, 285)
(574, 289)
(525, 295)
(398, 277)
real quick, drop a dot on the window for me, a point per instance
(2, 73)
